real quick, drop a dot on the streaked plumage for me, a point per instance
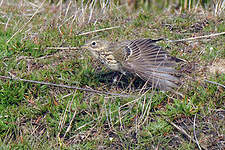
(141, 57)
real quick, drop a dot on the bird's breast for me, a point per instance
(107, 58)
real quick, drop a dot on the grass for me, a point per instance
(34, 116)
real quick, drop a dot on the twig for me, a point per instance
(215, 83)
(110, 28)
(184, 132)
(194, 38)
(26, 23)
(195, 134)
(65, 86)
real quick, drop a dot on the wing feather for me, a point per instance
(151, 63)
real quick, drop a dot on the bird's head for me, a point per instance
(96, 45)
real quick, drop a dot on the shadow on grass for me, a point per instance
(120, 80)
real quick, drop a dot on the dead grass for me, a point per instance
(217, 66)
(36, 116)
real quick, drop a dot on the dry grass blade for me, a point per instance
(1, 3)
(90, 32)
(71, 121)
(184, 132)
(198, 37)
(219, 7)
(26, 22)
(195, 134)
(215, 83)
(63, 119)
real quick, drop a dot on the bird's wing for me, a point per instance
(151, 63)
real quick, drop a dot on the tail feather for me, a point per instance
(160, 80)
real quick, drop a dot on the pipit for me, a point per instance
(141, 57)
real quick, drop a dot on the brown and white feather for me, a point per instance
(150, 62)
(141, 57)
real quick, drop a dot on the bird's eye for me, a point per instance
(93, 43)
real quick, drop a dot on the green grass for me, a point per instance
(34, 116)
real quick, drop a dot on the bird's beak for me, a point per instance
(84, 46)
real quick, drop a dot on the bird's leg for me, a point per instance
(132, 81)
(117, 78)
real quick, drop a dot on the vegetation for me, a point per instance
(38, 116)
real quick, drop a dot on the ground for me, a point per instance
(40, 42)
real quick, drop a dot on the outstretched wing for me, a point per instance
(151, 63)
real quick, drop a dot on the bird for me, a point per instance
(141, 57)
